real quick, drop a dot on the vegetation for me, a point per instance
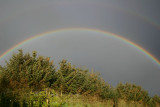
(33, 81)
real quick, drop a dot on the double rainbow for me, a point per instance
(84, 29)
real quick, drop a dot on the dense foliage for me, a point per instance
(31, 80)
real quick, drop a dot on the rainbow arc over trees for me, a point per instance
(85, 29)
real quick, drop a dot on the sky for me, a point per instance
(116, 60)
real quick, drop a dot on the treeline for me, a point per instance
(25, 78)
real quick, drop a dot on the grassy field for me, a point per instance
(90, 101)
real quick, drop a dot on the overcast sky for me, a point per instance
(136, 20)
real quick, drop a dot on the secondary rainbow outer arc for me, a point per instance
(150, 21)
(85, 29)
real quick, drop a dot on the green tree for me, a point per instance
(26, 71)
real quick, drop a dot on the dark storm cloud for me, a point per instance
(138, 21)
(21, 19)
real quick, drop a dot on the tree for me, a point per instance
(26, 71)
(25, 76)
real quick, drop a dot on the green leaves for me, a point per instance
(25, 72)
(131, 92)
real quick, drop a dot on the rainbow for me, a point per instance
(84, 29)
(116, 8)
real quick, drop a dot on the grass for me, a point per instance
(85, 101)
(90, 101)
